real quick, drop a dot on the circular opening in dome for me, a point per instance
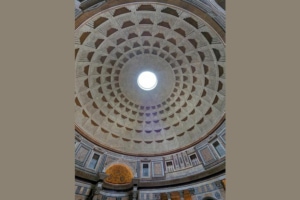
(147, 80)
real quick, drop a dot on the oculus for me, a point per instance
(147, 80)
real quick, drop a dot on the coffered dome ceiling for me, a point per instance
(188, 58)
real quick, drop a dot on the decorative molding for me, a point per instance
(85, 175)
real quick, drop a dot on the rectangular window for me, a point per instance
(145, 170)
(94, 161)
(194, 159)
(219, 148)
(170, 167)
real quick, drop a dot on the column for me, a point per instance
(169, 195)
(98, 189)
(135, 193)
(181, 195)
(192, 192)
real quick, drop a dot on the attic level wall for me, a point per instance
(206, 156)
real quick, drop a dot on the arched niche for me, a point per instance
(118, 174)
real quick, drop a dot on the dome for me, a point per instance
(187, 56)
(150, 100)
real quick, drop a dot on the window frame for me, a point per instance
(90, 160)
(142, 170)
(215, 149)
